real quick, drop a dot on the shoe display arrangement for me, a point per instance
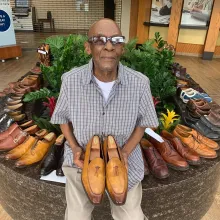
(54, 158)
(93, 173)
(157, 165)
(116, 172)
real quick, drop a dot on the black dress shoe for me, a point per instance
(201, 127)
(52, 159)
(188, 119)
(5, 122)
(59, 171)
(210, 125)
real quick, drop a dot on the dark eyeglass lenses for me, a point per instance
(103, 40)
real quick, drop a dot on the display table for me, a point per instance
(183, 196)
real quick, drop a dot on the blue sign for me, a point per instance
(5, 21)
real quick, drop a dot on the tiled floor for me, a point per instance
(206, 73)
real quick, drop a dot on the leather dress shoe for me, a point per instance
(15, 137)
(210, 143)
(116, 172)
(156, 163)
(200, 148)
(209, 124)
(37, 152)
(5, 123)
(93, 173)
(59, 171)
(188, 119)
(189, 155)
(6, 133)
(52, 159)
(203, 129)
(214, 118)
(21, 149)
(169, 154)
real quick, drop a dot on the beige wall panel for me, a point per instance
(190, 36)
(163, 32)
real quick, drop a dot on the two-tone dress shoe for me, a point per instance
(189, 155)
(169, 154)
(156, 163)
(116, 172)
(192, 142)
(54, 157)
(93, 173)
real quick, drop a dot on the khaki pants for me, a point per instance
(80, 208)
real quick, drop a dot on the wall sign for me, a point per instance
(5, 21)
(7, 34)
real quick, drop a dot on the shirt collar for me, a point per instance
(122, 77)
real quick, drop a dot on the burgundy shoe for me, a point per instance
(6, 133)
(169, 154)
(13, 140)
(189, 155)
(156, 163)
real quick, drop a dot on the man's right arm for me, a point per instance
(67, 131)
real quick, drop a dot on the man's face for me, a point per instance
(105, 57)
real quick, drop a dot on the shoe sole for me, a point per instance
(177, 168)
(194, 163)
(161, 178)
(207, 157)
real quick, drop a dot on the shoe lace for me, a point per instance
(97, 170)
(116, 170)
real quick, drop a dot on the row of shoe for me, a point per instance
(104, 167)
(27, 84)
(179, 150)
(27, 143)
(204, 117)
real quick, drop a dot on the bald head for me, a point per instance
(104, 27)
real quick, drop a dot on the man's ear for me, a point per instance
(87, 48)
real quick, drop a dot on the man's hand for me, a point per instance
(125, 156)
(78, 156)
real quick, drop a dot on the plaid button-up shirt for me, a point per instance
(129, 105)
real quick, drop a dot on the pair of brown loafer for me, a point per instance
(198, 107)
(104, 167)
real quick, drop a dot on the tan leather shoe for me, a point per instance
(21, 149)
(210, 143)
(18, 118)
(37, 151)
(93, 173)
(27, 124)
(194, 144)
(14, 113)
(116, 172)
(14, 102)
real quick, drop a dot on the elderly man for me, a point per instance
(105, 98)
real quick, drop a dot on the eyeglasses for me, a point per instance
(101, 40)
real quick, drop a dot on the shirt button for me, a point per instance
(103, 113)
